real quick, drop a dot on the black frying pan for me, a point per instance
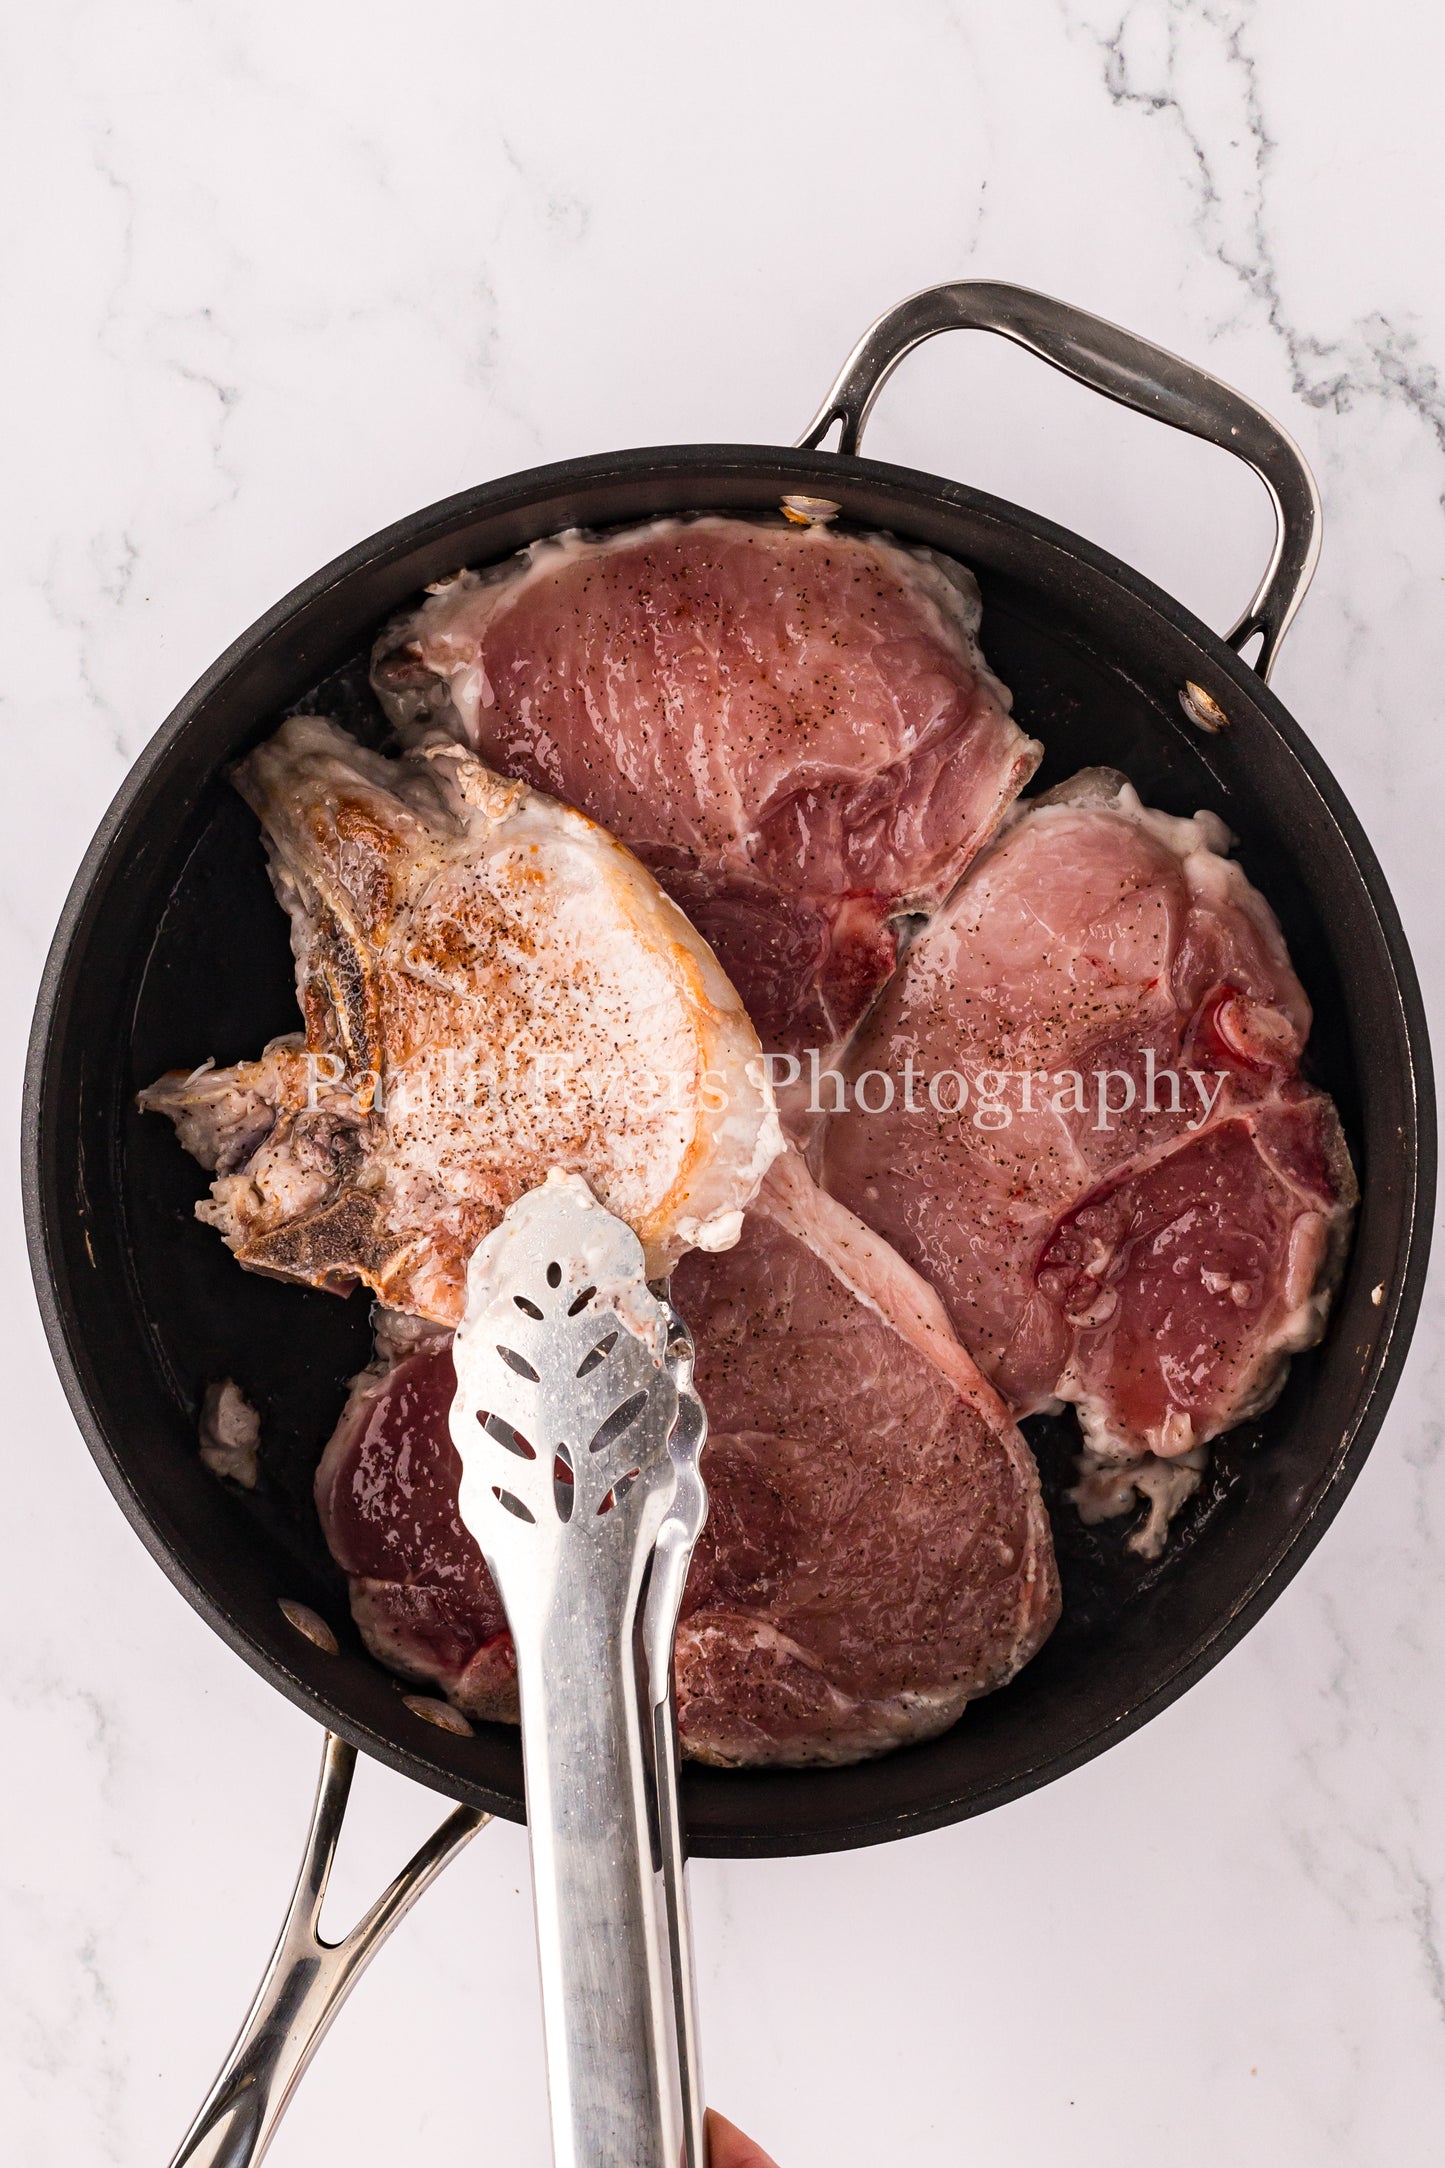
(172, 946)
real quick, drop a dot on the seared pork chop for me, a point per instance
(876, 1553)
(491, 987)
(1152, 1241)
(793, 728)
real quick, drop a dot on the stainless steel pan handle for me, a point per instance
(307, 1979)
(1129, 370)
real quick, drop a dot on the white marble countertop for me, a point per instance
(277, 275)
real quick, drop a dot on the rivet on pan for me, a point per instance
(440, 1713)
(810, 511)
(1202, 708)
(1377, 1294)
(308, 1622)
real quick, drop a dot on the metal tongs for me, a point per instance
(579, 1435)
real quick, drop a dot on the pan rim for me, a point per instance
(696, 463)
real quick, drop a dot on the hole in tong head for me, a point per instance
(505, 1435)
(554, 1275)
(574, 1309)
(523, 1304)
(617, 1493)
(597, 1354)
(618, 1421)
(514, 1505)
(517, 1362)
(564, 1488)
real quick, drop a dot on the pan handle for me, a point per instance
(1124, 368)
(307, 1979)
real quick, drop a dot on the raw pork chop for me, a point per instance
(1154, 1262)
(491, 987)
(386, 1493)
(792, 727)
(876, 1553)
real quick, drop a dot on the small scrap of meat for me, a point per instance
(1142, 1207)
(491, 987)
(1108, 1489)
(876, 1553)
(230, 1434)
(792, 727)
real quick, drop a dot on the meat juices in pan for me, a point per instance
(1154, 1244)
(876, 1553)
(793, 728)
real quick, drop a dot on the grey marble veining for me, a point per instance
(277, 275)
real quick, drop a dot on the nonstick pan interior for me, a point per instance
(173, 948)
